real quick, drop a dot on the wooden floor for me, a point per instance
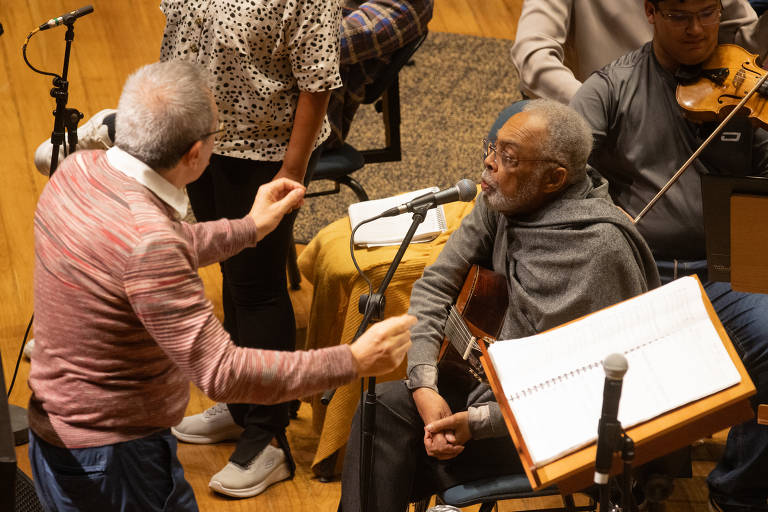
(110, 43)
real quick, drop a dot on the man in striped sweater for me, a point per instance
(121, 317)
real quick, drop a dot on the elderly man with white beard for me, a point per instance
(547, 224)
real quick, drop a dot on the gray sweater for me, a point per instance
(576, 255)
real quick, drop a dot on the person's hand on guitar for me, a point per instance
(432, 407)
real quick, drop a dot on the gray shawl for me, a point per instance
(576, 255)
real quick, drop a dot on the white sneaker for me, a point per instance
(267, 468)
(93, 134)
(210, 426)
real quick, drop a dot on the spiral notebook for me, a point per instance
(553, 381)
(392, 230)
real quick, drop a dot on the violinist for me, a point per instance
(641, 138)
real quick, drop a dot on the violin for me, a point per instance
(720, 83)
(729, 82)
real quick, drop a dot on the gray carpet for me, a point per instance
(449, 98)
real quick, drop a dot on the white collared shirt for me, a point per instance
(141, 172)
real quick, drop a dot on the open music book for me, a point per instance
(392, 230)
(553, 381)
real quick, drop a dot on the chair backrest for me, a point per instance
(386, 90)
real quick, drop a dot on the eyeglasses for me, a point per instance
(206, 135)
(682, 19)
(214, 132)
(507, 161)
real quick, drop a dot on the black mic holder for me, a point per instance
(375, 302)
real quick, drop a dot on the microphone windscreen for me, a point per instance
(467, 190)
(615, 366)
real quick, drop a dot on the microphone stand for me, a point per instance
(373, 308)
(627, 447)
(627, 456)
(64, 118)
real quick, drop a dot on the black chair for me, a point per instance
(337, 165)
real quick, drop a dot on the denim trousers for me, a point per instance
(740, 478)
(143, 475)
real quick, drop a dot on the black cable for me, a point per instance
(24, 53)
(352, 253)
(21, 352)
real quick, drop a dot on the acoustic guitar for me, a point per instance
(477, 314)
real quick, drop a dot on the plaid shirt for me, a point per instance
(369, 35)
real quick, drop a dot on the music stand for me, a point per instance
(735, 209)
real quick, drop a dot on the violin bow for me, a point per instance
(696, 153)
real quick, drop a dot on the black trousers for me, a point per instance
(257, 308)
(402, 470)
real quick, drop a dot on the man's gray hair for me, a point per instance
(569, 140)
(165, 107)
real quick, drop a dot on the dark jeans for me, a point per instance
(143, 475)
(402, 471)
(257, 308)
(741, 476)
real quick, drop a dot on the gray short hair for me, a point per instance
(569, 140)
(165, 107)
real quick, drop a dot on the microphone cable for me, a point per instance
(21, 352)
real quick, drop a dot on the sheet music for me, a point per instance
(392, 230)
(553, 381)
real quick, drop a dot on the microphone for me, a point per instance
(465, 190)
(609, 428)
(67, 18)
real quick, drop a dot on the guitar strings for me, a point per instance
(460, 327)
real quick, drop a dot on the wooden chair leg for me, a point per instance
(421, 506)
(568, 502)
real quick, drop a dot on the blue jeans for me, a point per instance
(143, 475)
(740, 479)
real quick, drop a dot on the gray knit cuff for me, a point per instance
(486, 421)
(422, 376)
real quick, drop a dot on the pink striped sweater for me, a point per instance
(121, 320)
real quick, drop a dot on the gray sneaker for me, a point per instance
(213, 425)
(267, 468)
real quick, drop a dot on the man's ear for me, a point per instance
(555, 180)
(650, 12)
(192, 154)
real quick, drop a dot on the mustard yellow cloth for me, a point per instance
(334, 317)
